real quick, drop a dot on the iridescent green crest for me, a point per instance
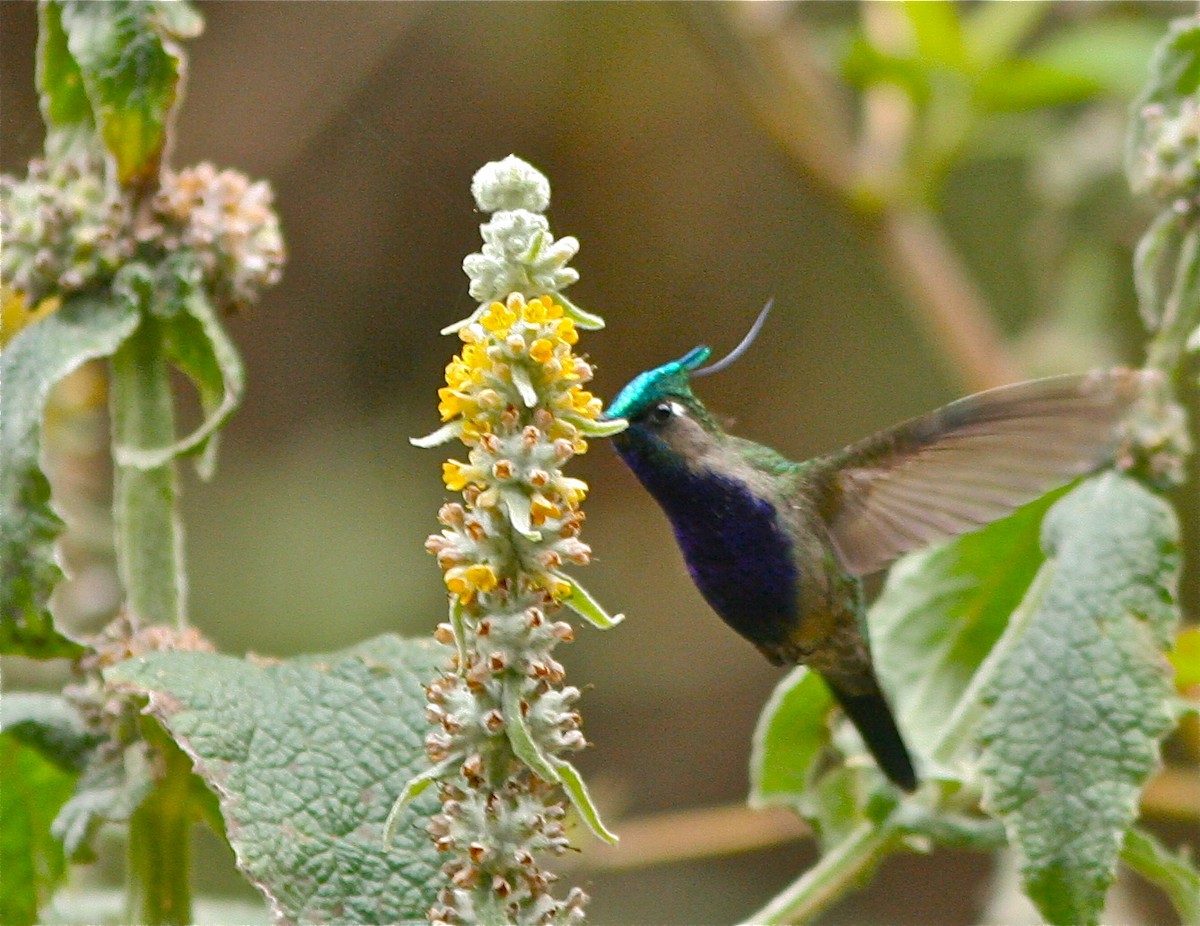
(647, 388)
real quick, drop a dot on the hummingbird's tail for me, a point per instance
(873, 718)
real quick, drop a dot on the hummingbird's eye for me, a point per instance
(662, 412)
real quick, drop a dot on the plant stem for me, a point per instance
(149, 539)
(838, 870)
(160, 891)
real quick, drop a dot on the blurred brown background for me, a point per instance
(369, 120)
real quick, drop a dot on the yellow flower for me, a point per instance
(458, 374)
(566, 331)
(541, 350)
(453, 403)
(467, 581)
(540, 310)
(498, 318)
(473, 431)
(541, 508)
(482, 577)
(455, 475)
(581, 402)
(475, 356)
(572, 490)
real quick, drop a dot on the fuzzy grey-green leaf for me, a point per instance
(1079, 704)
(307, 757)
(84, 328)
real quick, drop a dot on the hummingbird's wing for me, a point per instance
(969, 463)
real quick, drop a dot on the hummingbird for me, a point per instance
(779, 548)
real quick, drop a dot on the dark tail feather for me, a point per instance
(873, 718)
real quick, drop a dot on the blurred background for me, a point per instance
(935, 201)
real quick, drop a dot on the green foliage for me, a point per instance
(1171, 871)
(1050, 658)
(791, 731)
(939, 616)
(1080, 668)
(65, 106)
(31, 859)
(84, 328)
(130, 71)
(1088, 677)
(49, 724)
(962, 66)
(306, 756)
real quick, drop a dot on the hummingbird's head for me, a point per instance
(666, 420)
(664, 414)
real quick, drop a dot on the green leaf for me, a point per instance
(1109, 51)
(414, 788)
(84, 328)
(941, 612)
(572, 782)
(49, 724)
(65, 107)
(1080, 702)
(1154, 259)
(131, 71)
(993, 30)
(112, 785)
(583, 318)
(938, 32)
(788, 765)
(582, 603)
(195, 342)
(605, 427)
(1175, 874)
(791, 732)
(307, 756)
(524, 746)
(520, 379)
(1022, 84)
(442, 435)
(31, 859)
(548, 767)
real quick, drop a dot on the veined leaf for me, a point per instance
(941, 612)
(1080, 702)
(307, 756)
(84, 328)
(131, 70)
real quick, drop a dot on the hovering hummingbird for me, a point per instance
(778, 548)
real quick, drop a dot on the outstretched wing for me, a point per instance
(970, 463)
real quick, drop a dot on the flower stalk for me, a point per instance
(504, 721)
